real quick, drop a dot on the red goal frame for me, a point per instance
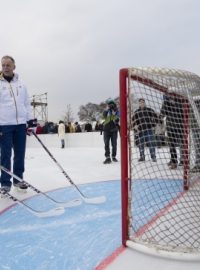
(125, 178)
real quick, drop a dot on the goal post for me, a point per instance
(160, 194)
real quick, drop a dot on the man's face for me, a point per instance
(141, 104)
(7, 67)
(111, 106)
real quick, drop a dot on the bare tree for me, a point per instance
(88, 112)
(68, 115)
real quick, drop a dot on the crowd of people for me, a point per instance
(51, 127)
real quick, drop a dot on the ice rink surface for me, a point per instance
(86, 237)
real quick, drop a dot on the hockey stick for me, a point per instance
(49, 213)
(64, 204)
(91, 200)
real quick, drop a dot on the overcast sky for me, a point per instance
(73, 49)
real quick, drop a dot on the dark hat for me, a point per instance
(141, 99)
(110, 101)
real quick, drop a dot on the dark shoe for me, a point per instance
(5, 189)
(180, 163)
(114, 159)
(195, 169)
(20, 185)
(107, 161)
(154, 159)
(173, 166)
(141, 159)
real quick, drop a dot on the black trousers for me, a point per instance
(175, 139)
(110, 136)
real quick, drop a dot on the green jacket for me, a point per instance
(111, 120)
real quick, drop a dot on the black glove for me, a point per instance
(31, 126)
(117, 121)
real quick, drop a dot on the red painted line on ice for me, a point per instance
(110, 258)
(7, 208)
(163, 211)
(158, 215)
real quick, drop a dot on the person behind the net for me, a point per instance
(195, 126)
(61, 133)
(16, 122)
(144, 121)
(172, 109)
(110, 130)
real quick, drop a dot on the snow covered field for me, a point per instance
(85, 237)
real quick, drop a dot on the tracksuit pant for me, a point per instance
(12, 137)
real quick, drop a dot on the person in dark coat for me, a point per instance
(110, 130)
(172, 109)
(88, 127)
(144, 121)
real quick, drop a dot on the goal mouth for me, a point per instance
(160, 161)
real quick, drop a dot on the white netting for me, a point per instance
(164, 159)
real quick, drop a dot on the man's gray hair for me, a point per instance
(8, 57)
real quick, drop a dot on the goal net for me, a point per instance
(160, 161)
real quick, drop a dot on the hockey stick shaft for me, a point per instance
(94, 200)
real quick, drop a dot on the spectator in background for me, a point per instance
(172, 109)
(45, 129)
(101, 128)
(110, 130)
(195, 126)
(71, 127)
(88, 127)
(160, 134)
(96, 128)
(67, 128)
(77, 127)
(61, 133)
(144, 121)
(38, 129)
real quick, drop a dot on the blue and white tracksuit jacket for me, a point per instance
(15, 111)
(15, 105)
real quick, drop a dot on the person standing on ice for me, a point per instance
(110, 130)
(172, 109)
(15, 122)
(144, 121)
(61, 133)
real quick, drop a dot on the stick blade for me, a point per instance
(72, 203)
(51, 213)
(94, 200)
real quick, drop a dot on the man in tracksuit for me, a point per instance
(15, 113)
(110, 130)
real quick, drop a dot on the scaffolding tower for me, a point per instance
(40, 107)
